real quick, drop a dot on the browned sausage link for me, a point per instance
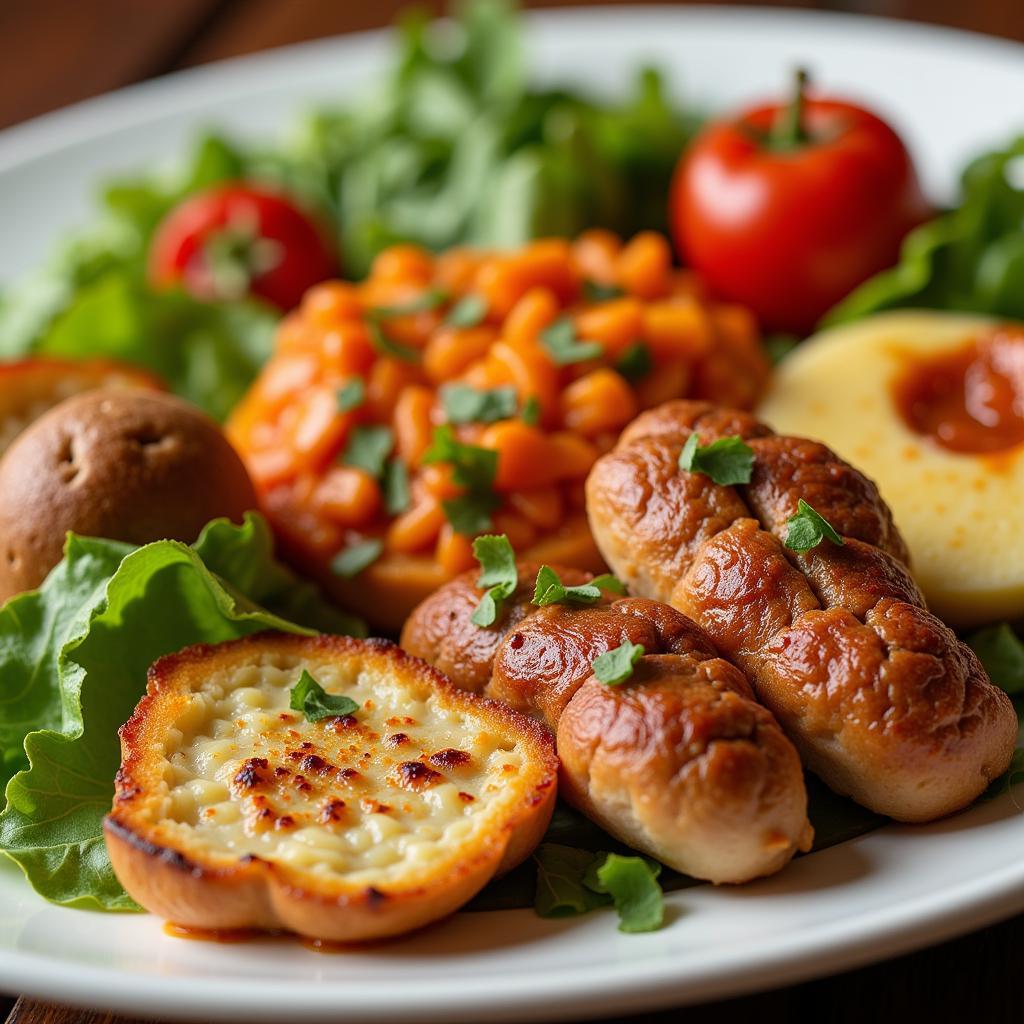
(880, 697)
(547, 656)
(440, 629)
(680, 763)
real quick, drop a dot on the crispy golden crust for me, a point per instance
(185, 877)
(678, 762)
(440, 629)
(882, 700)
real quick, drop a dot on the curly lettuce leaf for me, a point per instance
(33, 630)
(970, 259)
(73, 663)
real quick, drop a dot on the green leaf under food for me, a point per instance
(970, 259)
(632, 882)
(1001, 651)
(86, 640)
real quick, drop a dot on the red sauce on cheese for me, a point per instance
(969, 400)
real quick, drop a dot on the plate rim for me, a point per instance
(850, 943)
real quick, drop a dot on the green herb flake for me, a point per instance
(368, 449)
(596, 291)
(351, 561)
(614, 667)
(530, 414)
(560, 888)
(1001, 652)
(463, 404)
(571, 882)
(351, 395)
(727, 461)
(387, 346)
(807, 529)
(635, 362)
(395, 485)
(632, 883)
(309, 697)
(498, 574)
(561, 343)
(432, 298)
(472, 467)
(549, 589)
(469, 311)
(471, 513)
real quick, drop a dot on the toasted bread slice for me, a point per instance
(234, 811)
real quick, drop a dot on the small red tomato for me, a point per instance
(787, 208)
(239, 239)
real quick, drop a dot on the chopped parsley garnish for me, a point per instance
(351, 561)
(472, 468)
(595, 291)
(807, 529)
(571, 882)
(387, 346)
(614, 667)
(432, 298)
(729, 460)
(309, 697)
(368, 448)
(531, 411)
(564, 347)
(395, 485)
(1001, 652)
(549, 589)
(635, 361)
(463, 404)
(469, 311)
(498, 574)
(351, 395)
(471, 513)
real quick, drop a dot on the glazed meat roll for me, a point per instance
(882, 700)
(679, 762)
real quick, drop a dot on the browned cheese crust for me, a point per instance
(679, 762)
(347, 829)
(881, 698)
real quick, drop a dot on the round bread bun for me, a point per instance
(131, 465)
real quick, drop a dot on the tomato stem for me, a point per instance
(788, 132)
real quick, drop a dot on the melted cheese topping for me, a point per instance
(394, 789)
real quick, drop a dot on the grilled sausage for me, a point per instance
(680, 762)
(880, 697)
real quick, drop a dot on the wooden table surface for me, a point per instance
(54, 52)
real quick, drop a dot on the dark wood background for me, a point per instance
(54, 52)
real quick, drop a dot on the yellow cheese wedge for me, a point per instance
(961, 514)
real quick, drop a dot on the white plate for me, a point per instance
(952, 95)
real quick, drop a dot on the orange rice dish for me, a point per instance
(470, 392)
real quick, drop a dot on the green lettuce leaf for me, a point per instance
(970, 259)
(73, 663)
(33, 629)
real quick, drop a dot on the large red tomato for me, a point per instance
(787, 208)
(239, 239)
